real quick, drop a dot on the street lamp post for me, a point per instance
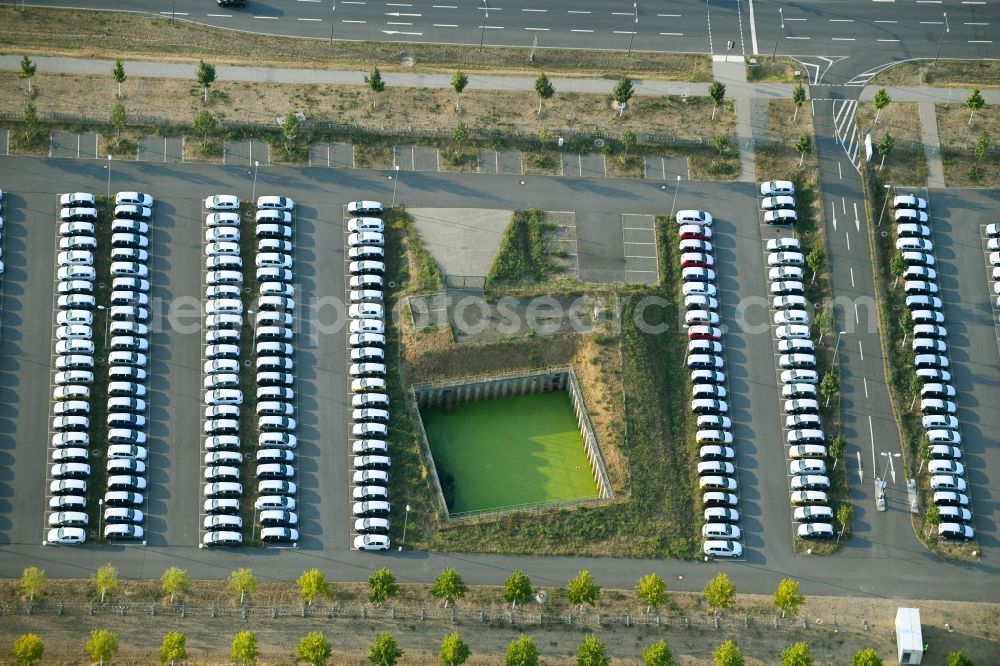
(100, 515)
(884, 204)
(395, 182)
(253, 196)
(888, 464)
(107, 321)
(836, 346)
(635, 8)
(482, 37)
(109, 175)
(406, 519)
(781, 13)
(674, 204)
(947, 29)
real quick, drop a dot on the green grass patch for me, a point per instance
(426, 277)
(519, 450)
(521, 257)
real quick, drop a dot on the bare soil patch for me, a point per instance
(906, 164)
(947, 73)
(958, 140)
(92, 34)
(834, 627)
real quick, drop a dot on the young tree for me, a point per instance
(719, 591)
(622, 93)
(385, 650)
(816, 259)
(798, 98)
(102, 645)
(845, 514)
(33, 582)
(797, 654)
(933, 515)
(243, 581)
(897, 265)
(174, 580)
(173, 648)
(29, 68)
(382, 585)
(106, 580)
(837, 448)
(884, 147)
(522, 652)
(828, 387)
(312, 584)
(244, 648)
(824, 323)
(721, 143)
(454, 651)
(118, 119)
(375, 84)
(924, 445)
(205, 76)
(717, 91)
(204, 123)
(544, 89)
(118, 74)
(657, 654)
(449, 586)
(958, 658)
(981, 147)
(974, 102)
(461, 133)
(880, 101)
(28, 648)
(786, 595)
(592, 652)
(517, 589)
(804, 144)
(582, 589)
(314, 649)
(29, 114)
(866, 657)
(458, 83)
(629, 142)
(653, 590)
(728, 654)
(290, 126)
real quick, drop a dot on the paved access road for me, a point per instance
(838, 40)
(892, 567)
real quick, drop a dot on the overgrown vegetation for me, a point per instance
(521, 258)
(904, 384)
(945, 73)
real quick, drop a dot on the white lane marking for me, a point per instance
(543, 11)
(397, 23)
(862, 350)
(857, 221)
(796, 19)
(833, 207)
(490, 27)
(622, 14)
(574, 30)
(220, 15)
(871, 433)
(857, 319)
(539, 29)
(790, 37)
(624, 32)
(444, 25)
(865, 382)
(886, 21)
(309, 0)
(576, 11)
(672, 34)
(928, 2)
(841, 20)
(185, 14)
(273, 18)
(670, 15)
(346, 21)
(444, 6)
(308, 19)
(932, 23)
(352, 2)
(847, 236)
(398, 14)
(886, 40)
(843, 39)
(753, 29)
(974, 23)
(852, 276)
(398, 4)
(843, 205)
(980, 41)
(840, 173)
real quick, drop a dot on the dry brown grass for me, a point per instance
(92, 34)
(947, 73)
(624, 166)
(779, 70)
(958, 139)
(906, 164)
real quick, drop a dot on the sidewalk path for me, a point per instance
(932, 144)
(164, 70)
(932, 95)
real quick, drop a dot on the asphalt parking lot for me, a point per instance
(154, 148)
(334, 155)
(966, 293)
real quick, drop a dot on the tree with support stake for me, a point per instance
(544, 89)
(375, 84)
(623, 93)
(28, 70)
(717, 91)
(798, 98)
(880, 101)
(975, 101)
(205, 76)
(804, 144)
(458, 83)
(118, 74)
(884, 147)
(517, 589)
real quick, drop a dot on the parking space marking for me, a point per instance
(639, 248)
(510, 162)
(402, 157)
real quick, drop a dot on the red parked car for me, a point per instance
(704, 333)
(695, 231)
(697, 260)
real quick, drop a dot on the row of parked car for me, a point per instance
(705, 360)
(370, 400)
(127, 341)
(932, 366)
(273, 335)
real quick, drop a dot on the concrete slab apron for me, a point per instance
(932, 144)
(732, 73)
(463, 241)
